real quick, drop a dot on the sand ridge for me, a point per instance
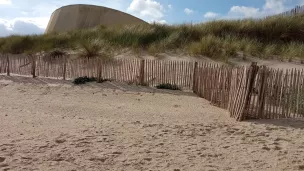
(65, 127)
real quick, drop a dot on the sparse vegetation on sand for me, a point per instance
(86, 79)
(83, 80)
(168, 86)
(274, 37)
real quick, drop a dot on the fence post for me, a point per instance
(254, 70)
(8, 72)
(142, 72)
(64, 67)
(195, 80)
(33, 59)
(99, 70)
(261, 98)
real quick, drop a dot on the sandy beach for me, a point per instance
(59, 126)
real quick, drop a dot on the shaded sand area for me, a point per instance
(55, 127)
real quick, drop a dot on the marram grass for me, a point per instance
(264, 38)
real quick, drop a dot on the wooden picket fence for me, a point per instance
(212, 82)
(252, 92)
(265, 93)
(246, 92)
(144, 72)
(298, 10)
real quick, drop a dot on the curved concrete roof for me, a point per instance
(82, 16)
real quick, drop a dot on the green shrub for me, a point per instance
(194, 48)
(83, 80)
(168, 86)
(231, 49)
(292, 50)
(270, 50)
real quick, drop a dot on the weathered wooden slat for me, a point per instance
(268, 95)
(283, 95)
(242, 91)
(298, 85)
(278, 94)
(289, 93)
(153, 73)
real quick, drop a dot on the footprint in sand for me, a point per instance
(2, 159)
(60, 141)
(301, 167)
(277, 148)
(3, 165)
(117, 153)
(98, 159)
(148, 159)
(266, 148)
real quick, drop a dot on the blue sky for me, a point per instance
(32, 16)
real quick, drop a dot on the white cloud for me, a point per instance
(18, 27)
(160, 22)
(188, 11)
(5, 2)
(40, 22)
(244, 11)
(270, 7)
(211, 15)
(274, 6)
(24, 13)
(147, 8)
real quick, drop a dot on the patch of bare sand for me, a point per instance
(238, 61)
(79, 128)
(276, 64)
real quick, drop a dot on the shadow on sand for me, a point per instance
(297, 123)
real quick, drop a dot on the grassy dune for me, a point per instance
(275, 37)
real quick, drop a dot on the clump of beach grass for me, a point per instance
(281, 37)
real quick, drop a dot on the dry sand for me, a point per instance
(238, 61)
(62, 127)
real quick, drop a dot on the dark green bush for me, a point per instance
(168, 86)
(83, 80)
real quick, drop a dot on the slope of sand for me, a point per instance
(238, 61)
(62, 127)
(276, 64)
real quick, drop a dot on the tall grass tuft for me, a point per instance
(210, 46)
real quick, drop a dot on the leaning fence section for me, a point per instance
(280, 94)
(265, 93)
(252, 92)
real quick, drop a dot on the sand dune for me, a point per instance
(62, 127)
